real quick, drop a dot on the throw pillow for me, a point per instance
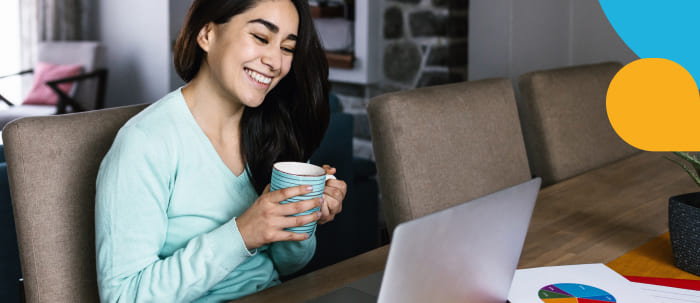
(41, 93)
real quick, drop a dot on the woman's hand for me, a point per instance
(265, 220)
(333, 195)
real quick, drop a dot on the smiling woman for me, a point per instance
(248, 55)
(183, 206)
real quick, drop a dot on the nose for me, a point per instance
(272, 58)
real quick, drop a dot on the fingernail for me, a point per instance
(319, 213)
(306, 236)
(321, 199)
(309, 188)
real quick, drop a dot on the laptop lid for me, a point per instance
(466, 253)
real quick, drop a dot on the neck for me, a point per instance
(216, 112)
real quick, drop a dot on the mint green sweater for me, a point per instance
(165, 217)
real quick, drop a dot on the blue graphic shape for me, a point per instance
(582, 291)
(659, 29)
(607, 298)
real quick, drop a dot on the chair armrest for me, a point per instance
(93, 74)
(27, 71)
(2, 98)
(64, 100)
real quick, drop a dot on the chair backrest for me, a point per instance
(89, 54)
(440, 146)
(52, 164)
(565, 124)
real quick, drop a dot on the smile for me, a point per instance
(258, 77)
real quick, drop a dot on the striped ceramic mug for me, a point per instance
(290, 174)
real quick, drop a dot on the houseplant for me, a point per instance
(684, 218)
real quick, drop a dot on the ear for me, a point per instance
(205, 36)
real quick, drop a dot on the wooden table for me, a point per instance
(595, 217)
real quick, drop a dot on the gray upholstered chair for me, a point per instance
(90, 84)
(440, 146)
(52, 163)
(564, 121)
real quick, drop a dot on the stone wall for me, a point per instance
(424, 44)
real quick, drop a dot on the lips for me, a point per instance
(258, 77)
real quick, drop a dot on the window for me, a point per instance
(10, 60)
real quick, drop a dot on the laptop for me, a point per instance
(465, 253)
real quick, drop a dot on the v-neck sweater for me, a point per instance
(165, 214)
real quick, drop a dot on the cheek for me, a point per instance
(286, 65)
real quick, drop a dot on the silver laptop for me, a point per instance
(466, 253)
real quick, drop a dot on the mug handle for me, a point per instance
(329, 177)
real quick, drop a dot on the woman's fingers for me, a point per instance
(265, 220)
(293, 221)
(289, 192)
(329, 209)
(292, 236)
(294, 208)
(334, 193)
(329, 169)
(296, 221)
(336, 189)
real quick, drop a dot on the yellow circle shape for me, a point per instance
(653, 104)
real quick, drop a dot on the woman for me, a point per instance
(183, 207)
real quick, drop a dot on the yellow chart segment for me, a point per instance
(560, 300)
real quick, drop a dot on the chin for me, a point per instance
(254, 102)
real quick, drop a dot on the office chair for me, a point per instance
(52, 163)
(565, 123)
(440, 146)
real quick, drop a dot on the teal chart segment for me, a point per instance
(574, 292)
(659, 29)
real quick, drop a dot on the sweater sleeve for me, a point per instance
(133, 189)
(291, 256)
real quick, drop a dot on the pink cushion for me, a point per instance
(44, 72)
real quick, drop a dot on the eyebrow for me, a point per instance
(272, 27)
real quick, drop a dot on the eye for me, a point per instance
(288, 50)
(259, 38)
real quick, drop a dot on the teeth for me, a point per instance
(258, 77)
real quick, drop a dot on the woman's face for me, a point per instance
(253, 51)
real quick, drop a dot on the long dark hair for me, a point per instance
(291, 121)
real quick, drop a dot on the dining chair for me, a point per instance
(564, 121)
(88, 83)
(436, 147)
(52, 163)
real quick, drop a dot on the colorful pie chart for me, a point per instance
(574, 293)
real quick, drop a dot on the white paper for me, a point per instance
(665, 294)
(568, 283)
